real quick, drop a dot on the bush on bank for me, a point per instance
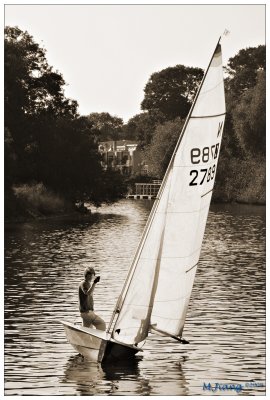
(30, 201)
(242, 181)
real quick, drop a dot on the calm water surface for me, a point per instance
(225, 322)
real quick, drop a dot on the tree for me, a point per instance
(141, 127)
(105, 126)
(159, 152)
(45, 139)
(111, 186)
(242, 69)
(249, 117)
(36, 87)
(32, 91)
(171, 91)
(243, 146)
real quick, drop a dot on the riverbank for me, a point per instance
(30, 203)
(17, 213)
(240, 181)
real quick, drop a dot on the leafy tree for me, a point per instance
(69, 163)
(243, 144)
(171, 91)
(242, 69)
(31, 89)
(105, 126)
(10, 156)
(45, 139)
(37, 86)
(159, 152)
(249, 117)
(111, 186)
(141, 127)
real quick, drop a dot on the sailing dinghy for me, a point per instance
(158, 287)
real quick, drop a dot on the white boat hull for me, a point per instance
(90, 343)
(96, 345)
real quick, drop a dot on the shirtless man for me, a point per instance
(86, 301)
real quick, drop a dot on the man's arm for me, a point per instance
(90, 290)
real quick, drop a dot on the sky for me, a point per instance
(107, 53)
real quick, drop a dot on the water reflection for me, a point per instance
(121, 378)
(83, 376)
(225, 322)
(124, 378)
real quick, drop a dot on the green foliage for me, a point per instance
(39, 200)
(241, 170)
(249, 118)
(68, 160)
(168, 95)
(171, 91)
(159, 152)
(230, 143)
(45, 139)
(141, 127)
(105, 126)
(30, 84)
(110, 188)
(245, 119)
(242, 69)
(240, 180)
(47, 142)
(34, 98)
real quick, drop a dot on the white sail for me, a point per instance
(134, 318)
(158, 290)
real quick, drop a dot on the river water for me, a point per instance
(225, 325)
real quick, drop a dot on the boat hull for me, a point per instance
(96, 345)
(90, 343)
(119, 351)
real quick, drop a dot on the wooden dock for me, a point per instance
(140, 196)
(145, 191)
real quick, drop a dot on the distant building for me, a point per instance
(122, 155)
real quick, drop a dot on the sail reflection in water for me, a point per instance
(225, 321)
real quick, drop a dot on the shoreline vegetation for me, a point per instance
(52, 162)
(33, 203)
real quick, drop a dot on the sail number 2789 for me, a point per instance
(203, 156)
(198, 177)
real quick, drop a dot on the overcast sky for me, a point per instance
(107, 53)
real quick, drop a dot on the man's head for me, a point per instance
(89, 273)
